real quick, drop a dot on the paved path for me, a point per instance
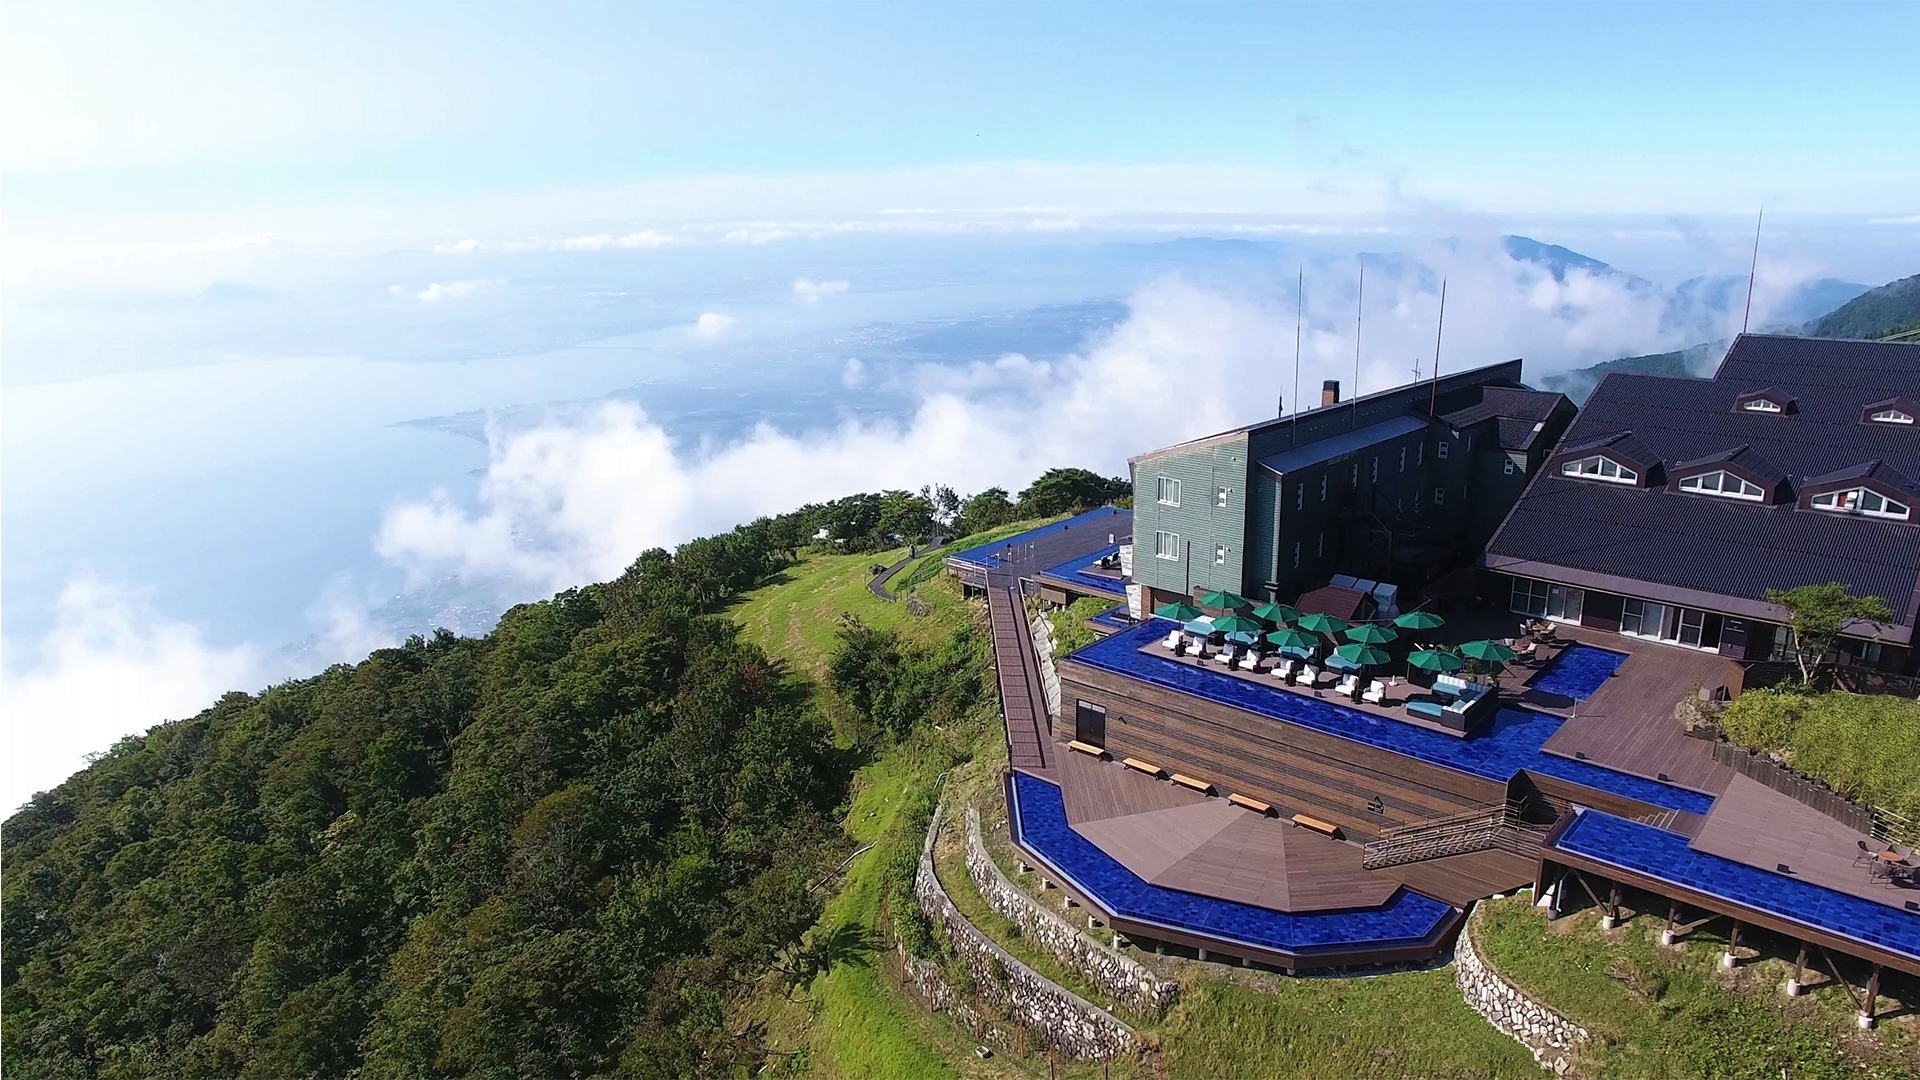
(1023, 703)
(878, 586)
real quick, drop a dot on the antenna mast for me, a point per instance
(1359, 308)
(1299, 312)
(1433, 398)
(1754, 269)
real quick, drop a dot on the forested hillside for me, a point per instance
(567, 848)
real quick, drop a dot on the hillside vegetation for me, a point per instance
(1865, 746)
(1889, 309)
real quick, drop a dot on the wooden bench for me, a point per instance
(1189, 782)
(1147, 767)
(1314, 823)
(1088, 748)
(1254, 805)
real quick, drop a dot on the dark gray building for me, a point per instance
(1399, 485)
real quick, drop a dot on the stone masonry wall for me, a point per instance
(1533, 1025)
(1042, 629)
(1029, 1001)
(1113, 972)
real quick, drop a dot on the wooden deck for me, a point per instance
(1756, 825)
(1461, 879)
(1628, 724)
(1023, 703)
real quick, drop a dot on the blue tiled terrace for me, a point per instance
(1040, 818)
(987, 555)
(1510, 743)
(1578, 671)
(1075, 571)
(1660, 854)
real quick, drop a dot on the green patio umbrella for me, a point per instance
(1371, 634)
(1489, 652)
(1242, 638)
(1238, 624)
(1321, 624)
(1277, 613)
(1204, 627)
(1178, 612)
(1230, 601)
(1419, 620)
(1294, 639)
(1435, 660)
(1365, 655)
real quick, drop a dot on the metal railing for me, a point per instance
(1482, 829)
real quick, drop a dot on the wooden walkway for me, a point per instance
(1023, 703)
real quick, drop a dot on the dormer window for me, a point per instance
(1770, 402)
(1599, 467)
(1724, 484)
(1761, 405)
(1861, 501)
(1890, 416)
(1899, 410)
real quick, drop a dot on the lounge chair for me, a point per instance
(1307, 676)
(1249, 661)
(1375, 693)
(1284, 669)
(1173, 641)
(1866, 852)
(1348, 687)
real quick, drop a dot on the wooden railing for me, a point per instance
(1868, 820)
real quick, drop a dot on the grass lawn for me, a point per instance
(1674, 1012)
(796, 615)
(929, 566)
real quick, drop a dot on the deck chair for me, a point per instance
(1173, 641)
(1348, 687)
(1375, 693)
(1249, 661)
(1284, 669)
(1307, 676)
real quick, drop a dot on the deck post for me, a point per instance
(1667, 936)
(1731, 957)
(1873, 992)
(1612, 918)
(1799, 968)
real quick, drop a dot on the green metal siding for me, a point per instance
(1199, 520)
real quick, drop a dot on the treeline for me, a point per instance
(875, 522)
(561, 849)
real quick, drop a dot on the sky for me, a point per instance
(257, 260)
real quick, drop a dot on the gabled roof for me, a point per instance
(1619, 445)
(1866, 470)
(1315, 453)
(1742, 457)
(1774, 394)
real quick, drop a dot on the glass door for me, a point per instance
(1689, 625)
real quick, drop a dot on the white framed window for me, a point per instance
(1762, 405)
(1890, 416)
(1861, 501)
(1600, 467)
(1353, 475)
(1443, 449)
(1416, 504)
(1373, 474)
(1221, 493)
(1420, 457)
(1469, 443)
(1439, 496)
(1507, 466)
(1403, 459)
(1724, 484)
(1168, 491)
(1300, 497)
(1219, 554)
(1296, 554)
(1320, 548)
(1643, 618)
(1543, 600)
(1323, 487)
(1166, 545)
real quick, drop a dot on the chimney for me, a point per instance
(1330, 393)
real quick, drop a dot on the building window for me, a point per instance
(1220, 494)
(1443, 449)
(1296, 554)
(1169, 491)
(1420, 458)
(1353, 476)
(1762, 405)
(1403, 459)
(1320, 549)
(1547, 601)
(1439, 496)
(1890, 416)
(1219, 554)
(1643, 618)
(1469, 444)
(1600, 468)
(1373, 474)
(1507, 467)
(1416, 504)
(1323, 487)
(1861, 501)
(1300, 497)
(1166, 545)
(1724, 484)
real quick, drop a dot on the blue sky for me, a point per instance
(209, 108)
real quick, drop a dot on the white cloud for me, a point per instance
(710, 325)
(600, 242)
(460, 247)
(109, 666)
(812, 291)
(854, 373)
(443, 290)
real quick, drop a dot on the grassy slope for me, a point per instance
(796, 615)
(1660, 1012)
(928, 566)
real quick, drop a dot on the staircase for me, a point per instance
(1483, 829)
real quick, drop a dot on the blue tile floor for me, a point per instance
(1408, 918)
(1074, 571)
(986, 554)
(1510, 743)
(1578, 671)
(1660, 854)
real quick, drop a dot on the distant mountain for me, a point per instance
(1876, 313)
(1693, 360)
(1556, 259)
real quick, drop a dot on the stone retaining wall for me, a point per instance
(1532, 1024)
(1042, 629)
(1008, 1000)
(1125, 980)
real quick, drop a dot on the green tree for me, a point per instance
(989, 509)
(1070, 491)
(1818, 613)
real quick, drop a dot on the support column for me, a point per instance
(1794, 986)
(1667, 936)
(1612, 918)
(1873, 993)
(1731, 958)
